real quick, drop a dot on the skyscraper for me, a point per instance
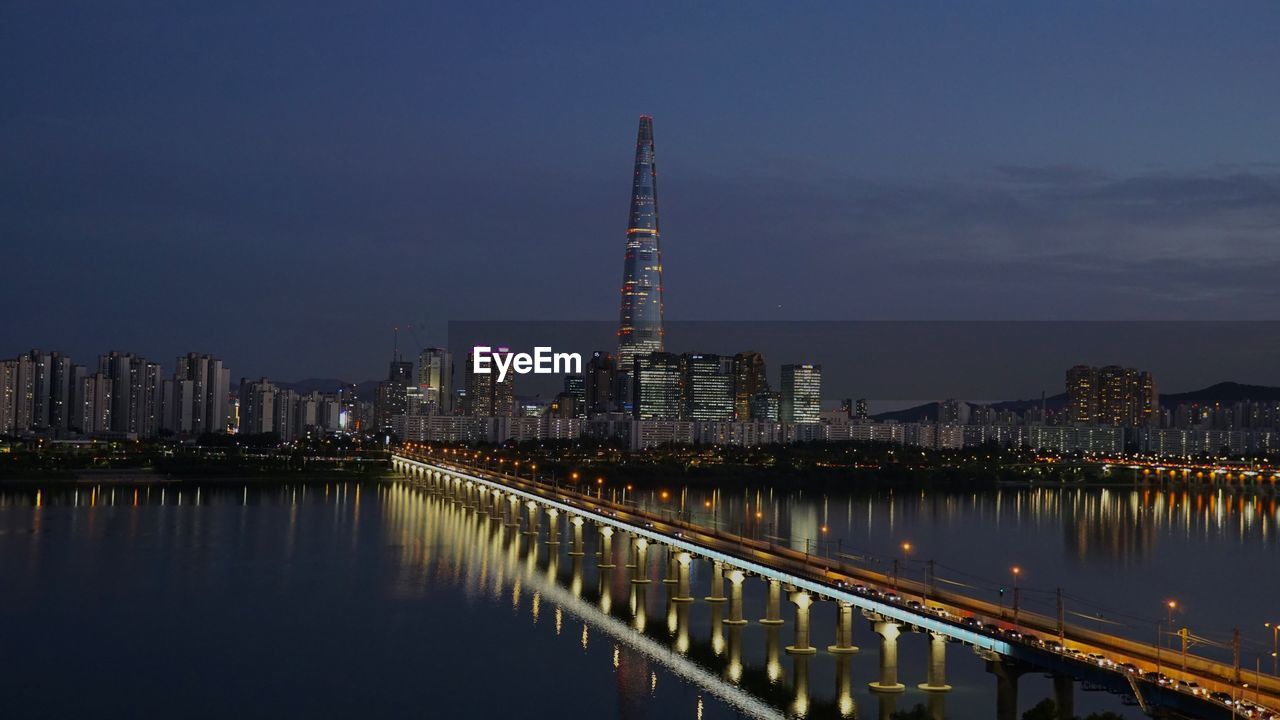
(640, 325)
(801, 393)
(706, 387)
(485, 395)
(601, 384)
(1082, 395)
(435, 378)
(657, 380)
(748, 380)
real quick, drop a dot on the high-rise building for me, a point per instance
(766, 406)
(749, 379)
(210, 388)
(656, 386)
(392, 398)
(136, 393)
(1111, 395)
(801, 393)
(860, 409)
(1149, 400)
(640, 325)
(601, 384)
(435, 378)
(257, 406)
(707, 387)
(485, 395)
(95, 404)
(1082, 395)
(8, 396)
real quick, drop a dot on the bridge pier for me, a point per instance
(773, 606)
(553, 530)
(717, 583)
(639, 574)
(575, 550)
(683, 561)
(844, 631)
(937, 675)
(606, 548)
(1064, 695)
(1007, 674)
(888, 631)
(672, 571)
(532, 527)
(513, 513)
(803, 601)
(735, 578)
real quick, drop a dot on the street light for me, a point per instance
(1275, 645)
(906, 552)
(1016, 572)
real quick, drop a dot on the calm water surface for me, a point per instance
(382, 600)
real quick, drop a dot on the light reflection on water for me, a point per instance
(1119, 554)
(406, 565)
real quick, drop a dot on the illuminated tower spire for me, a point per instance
(640, 326)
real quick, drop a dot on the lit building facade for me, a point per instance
(640, 325)
(801, 393)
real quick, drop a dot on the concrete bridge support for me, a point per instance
(803, 601)
(773, 606)
(606, 548)
(888, 631)
(1064, 695)
(553, 530)
(513, 512)
(683, 560)
(735, 578)
(639, 575)
(936, 679)
(717, 583)
(844, 631)
(575, 548)
(1007, 674)
(671, 575)
(532, 527)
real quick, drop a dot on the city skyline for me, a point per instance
(906, 166)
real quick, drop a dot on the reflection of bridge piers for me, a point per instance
(732, 561)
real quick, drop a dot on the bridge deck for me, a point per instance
(834, 579)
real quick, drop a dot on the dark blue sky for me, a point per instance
(281, 183)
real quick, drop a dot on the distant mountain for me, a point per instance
(1224, 393)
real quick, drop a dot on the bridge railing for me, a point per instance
(826, 570)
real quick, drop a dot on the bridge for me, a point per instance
(1182, 686)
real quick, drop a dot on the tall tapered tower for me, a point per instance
(640, 326)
